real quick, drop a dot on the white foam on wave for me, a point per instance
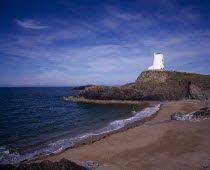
(112, 126)
(54, 147)
(118, 124)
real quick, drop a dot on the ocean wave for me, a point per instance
(118, 124)
(65, 98)
(7, 157)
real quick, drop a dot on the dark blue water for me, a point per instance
(38, 121)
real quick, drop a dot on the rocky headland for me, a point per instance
(80, 88)
(154, 85)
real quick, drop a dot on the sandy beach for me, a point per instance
(172, 145)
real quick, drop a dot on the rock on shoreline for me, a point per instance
(63, 164)
(202, 113)
(155, 85)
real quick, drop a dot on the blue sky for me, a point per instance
(69, 43)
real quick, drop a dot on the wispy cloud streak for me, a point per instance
(111, 48)
(30, 24)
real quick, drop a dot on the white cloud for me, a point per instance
(100, 57)
(128, 55)
(30, 24)
(50, 77)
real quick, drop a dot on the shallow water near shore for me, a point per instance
(37, 121)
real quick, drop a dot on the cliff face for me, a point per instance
(199, 89)
(155, 85)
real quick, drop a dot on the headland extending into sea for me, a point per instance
(156, 141)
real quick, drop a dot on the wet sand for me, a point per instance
(173, 145)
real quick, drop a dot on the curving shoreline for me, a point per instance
(173, 145)
(165, 145)
(96, 138)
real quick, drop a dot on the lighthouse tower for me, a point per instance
(158, 62)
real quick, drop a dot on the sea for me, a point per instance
(37, 121)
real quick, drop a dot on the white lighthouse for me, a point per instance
(158, 62)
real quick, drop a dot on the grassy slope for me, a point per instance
(181, 76)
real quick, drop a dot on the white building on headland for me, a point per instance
(158, 62)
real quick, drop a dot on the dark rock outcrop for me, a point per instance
(63, 164)
(178, 116)
(81, 88)
(90, 164)
(202, 113)
(155, 85)
(93, 165)
(205, 112)
(199, 89)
